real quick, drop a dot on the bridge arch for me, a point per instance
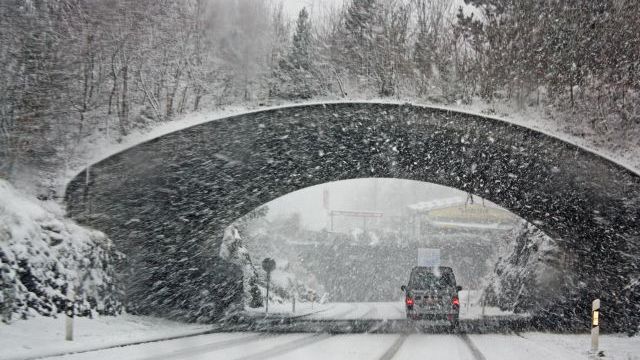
(179, 191)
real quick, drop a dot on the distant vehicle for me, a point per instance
(432, 294)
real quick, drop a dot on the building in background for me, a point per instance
(468, 233)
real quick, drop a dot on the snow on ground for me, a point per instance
(235, 346)
(286, 308)
(45, 336)
(535, 346)
(214, 346)
(43, 254)
(338, 311)
(435, 346)
(360, 346)
(470, 308)
(41, 336)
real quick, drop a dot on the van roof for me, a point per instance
(441, 268)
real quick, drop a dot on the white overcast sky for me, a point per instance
(294, 6)
(383, 195)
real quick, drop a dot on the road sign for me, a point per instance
(357, 214)
(429, 257)
(268, 265)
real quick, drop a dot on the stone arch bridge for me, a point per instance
(166, 202)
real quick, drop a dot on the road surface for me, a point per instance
(470, 308)
(247, 346)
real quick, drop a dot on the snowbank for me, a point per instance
(43, 256)
(234, 251)
(40, 336)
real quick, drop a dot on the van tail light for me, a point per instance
(455, 302)
(409, 301)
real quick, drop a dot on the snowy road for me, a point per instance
(370, 317)
(411, 344)
(349, 311)
(246, 346)
(470, 308)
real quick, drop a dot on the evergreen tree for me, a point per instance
(358, 34)
(370, 45)
(298, 77)
(300, 56)
(256, 294)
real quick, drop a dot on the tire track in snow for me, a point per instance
(214, 346)
(286, 347)
(477, 355)
(343, 314)
(115, 346)
(369, 314)
(312, 312)
(393, 349)
(337, 316)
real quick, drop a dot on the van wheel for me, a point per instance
(454, 324)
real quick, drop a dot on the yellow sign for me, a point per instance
(471, 212)
(596, 315)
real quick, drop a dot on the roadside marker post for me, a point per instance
(69, 318)
(293, 303)
(293, 294)
(595, 328)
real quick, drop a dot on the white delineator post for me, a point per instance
(293, 303)
(595, 328)
(69, 318)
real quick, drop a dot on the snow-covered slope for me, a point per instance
(528, 271)
(45, 336)
(43, 256)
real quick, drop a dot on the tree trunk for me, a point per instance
(124, 116)
(183, 101)
(172, 94)
(114, 78)
(571, 95)
(198, 96)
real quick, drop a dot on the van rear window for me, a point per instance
(424, 279)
